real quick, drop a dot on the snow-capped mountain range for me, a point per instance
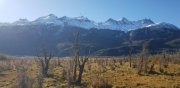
(83, 22)
(111, 37)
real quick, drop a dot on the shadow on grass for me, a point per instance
(153, 73)
(3, 74)
(164, 73)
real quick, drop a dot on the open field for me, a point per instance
(158, 71)
(89, 44)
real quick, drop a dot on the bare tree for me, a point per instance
(130, 53)
(76, 55)
(43, 58)
(76, 65)
(153, 62)
(39, 81)
(82, 63)
(143, 59)
(130, 57)
(69, 73)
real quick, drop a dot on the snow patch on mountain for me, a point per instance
(78, 22)
(49, 19)
(162, 25)
(122, 24)
(21, 22)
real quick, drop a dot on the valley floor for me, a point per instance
(99, 72)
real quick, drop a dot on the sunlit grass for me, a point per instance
(118, 74)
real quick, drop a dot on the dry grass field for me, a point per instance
(99, 72)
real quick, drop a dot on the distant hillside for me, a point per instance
(24, 37)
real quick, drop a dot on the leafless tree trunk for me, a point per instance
(78, 63)
(69, 73)
(130, 57)
(39, 81)
(81, 69)
(143, 60)
(130, 53)
(43, 59)
(76, 56)
(153, 62)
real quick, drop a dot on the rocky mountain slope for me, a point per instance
(112, 37)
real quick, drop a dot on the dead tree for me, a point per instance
(82, 63)
(43, 59)
(69, 73)
(130, 57)
(143, 60)
(163, 62)
(78, 63)
(76, 55)
(153, 62)
(130, 53)
(39, 81)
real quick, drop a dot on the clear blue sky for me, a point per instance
(98, 10)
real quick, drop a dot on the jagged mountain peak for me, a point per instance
(65, 18)
(110, 20)
(21, 22)
(81, 18)
(123, 24)
(124, 20)
(146, 21)
(51, 16)
(48, 17)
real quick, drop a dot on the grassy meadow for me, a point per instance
(156, 71)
